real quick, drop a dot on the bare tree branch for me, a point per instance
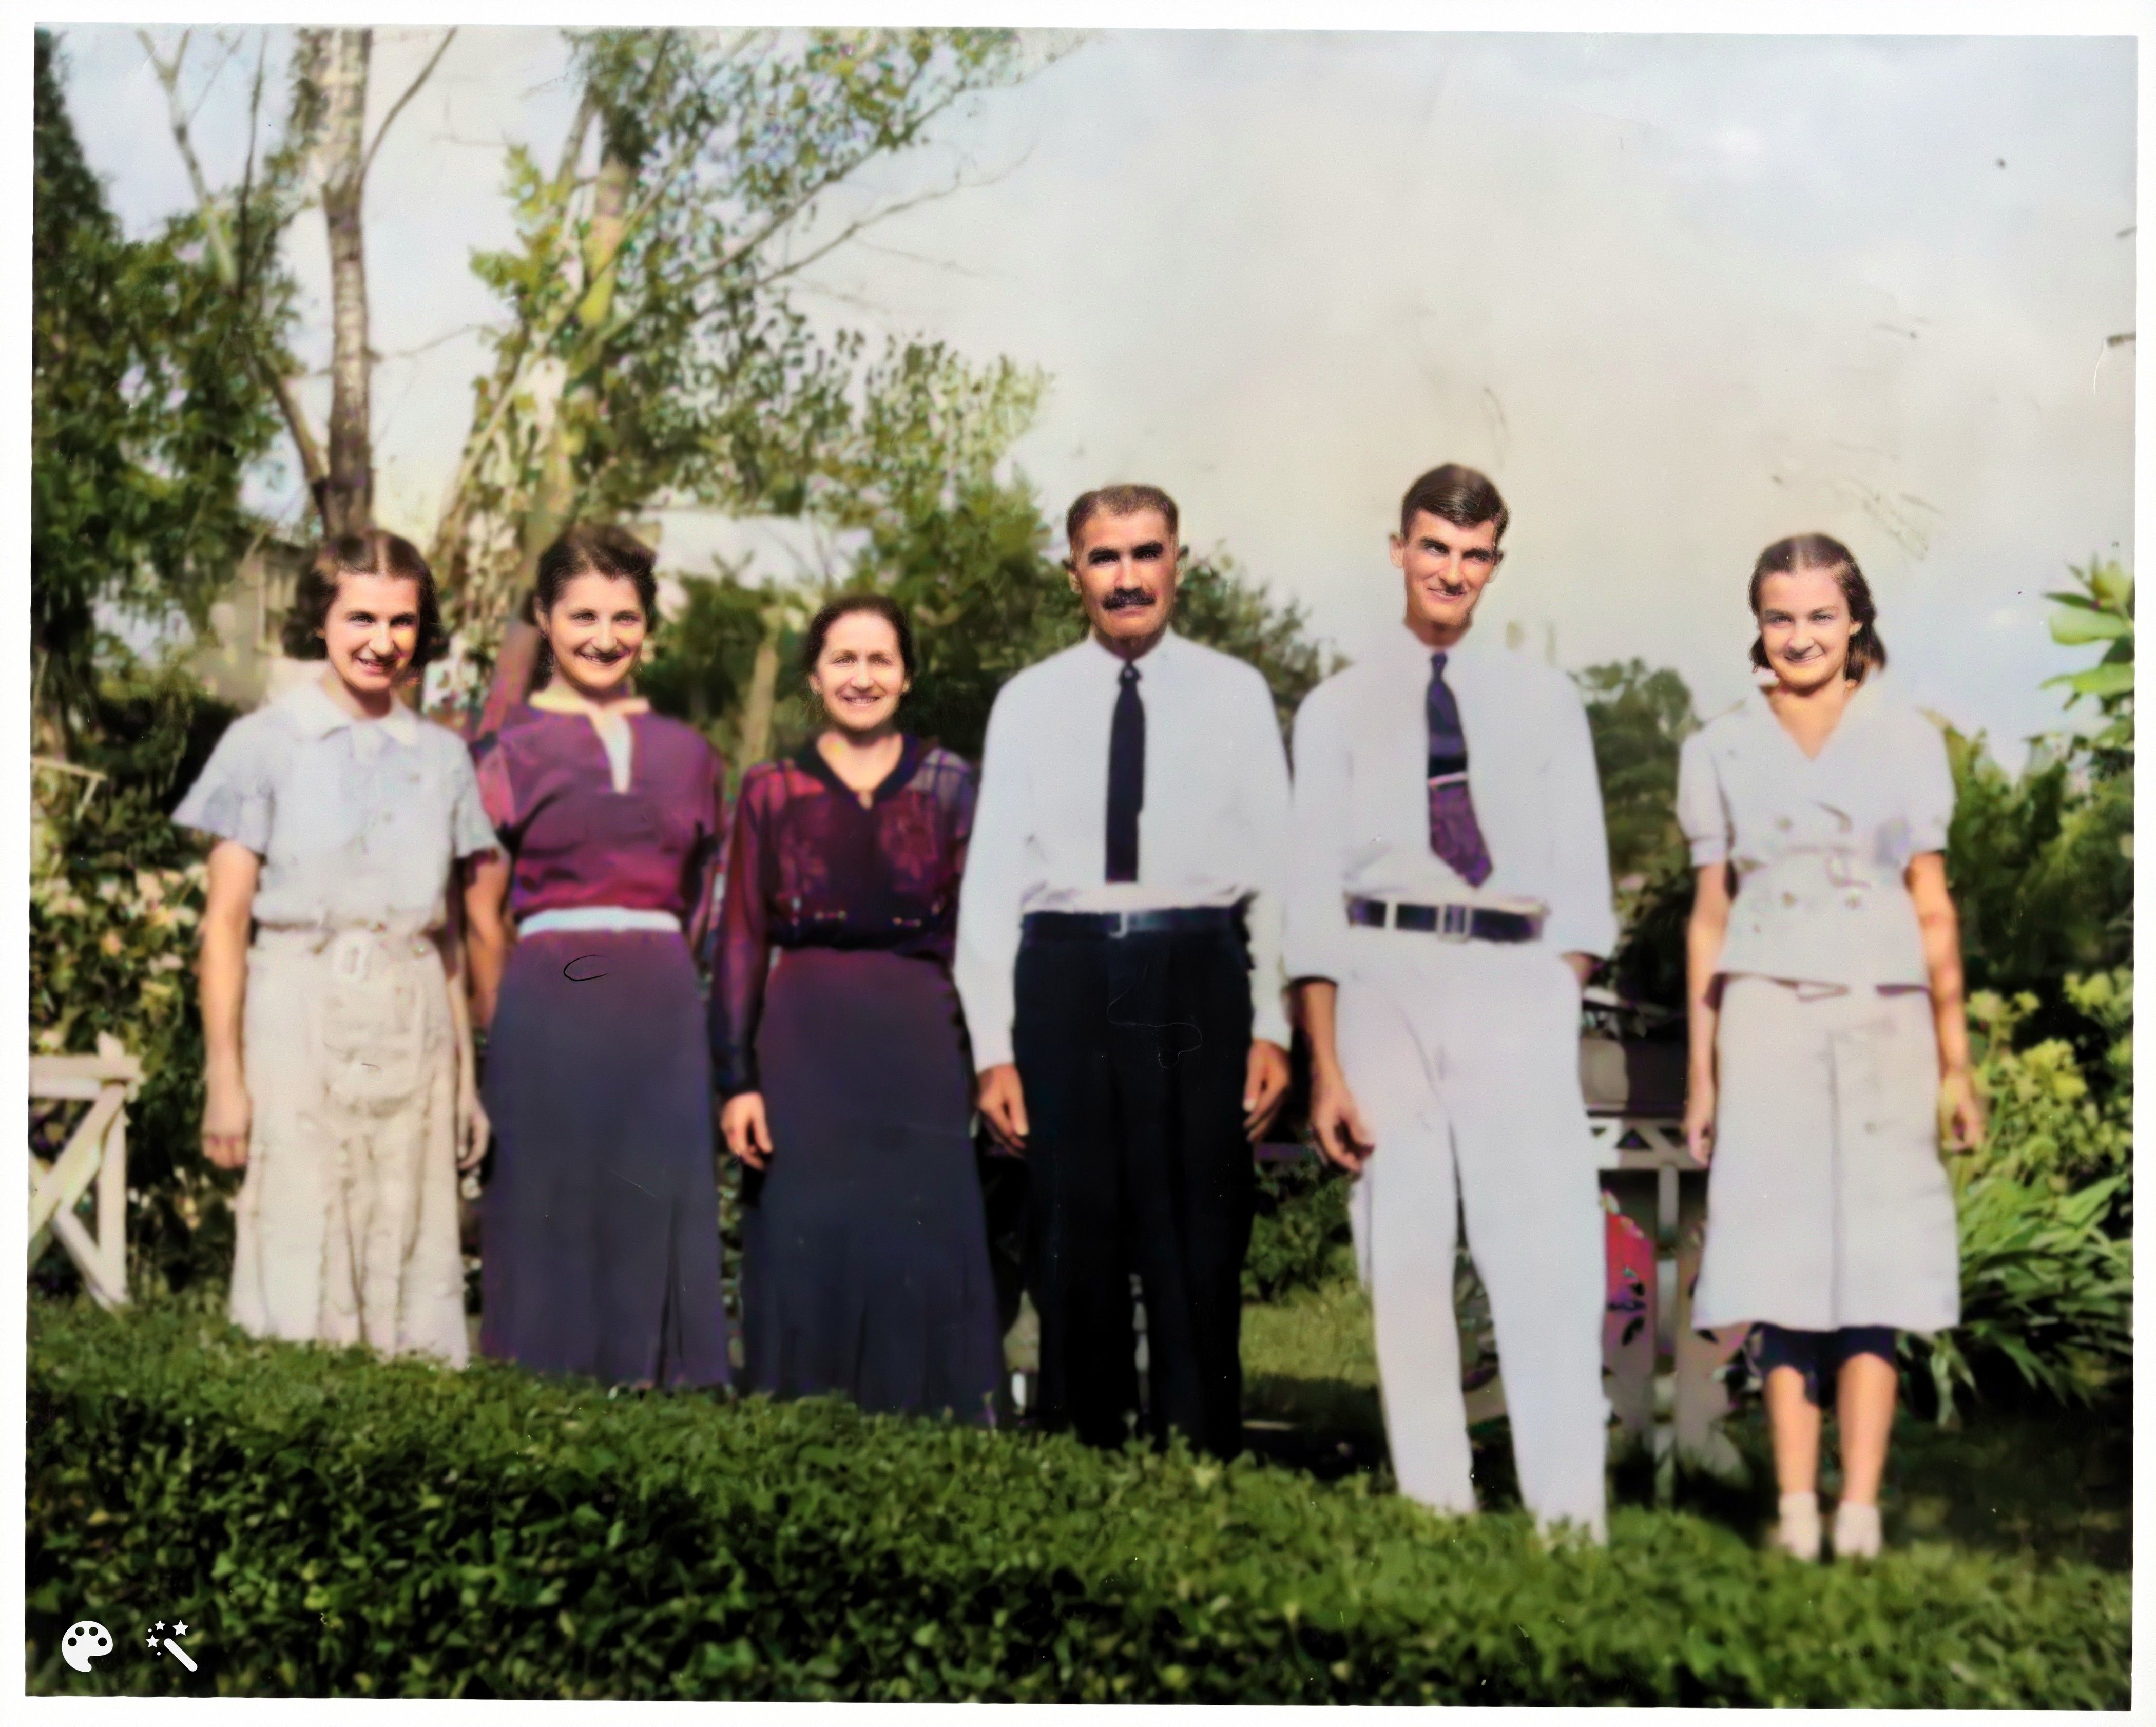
(854, 229)
(397, 107)
(312, 462)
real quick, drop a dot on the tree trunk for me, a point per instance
(762, 697)
(348, 496)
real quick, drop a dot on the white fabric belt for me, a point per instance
(581, 917)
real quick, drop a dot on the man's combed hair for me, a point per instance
(1867, 653)
(1119, 501)
(1460, 495)
(374, 553)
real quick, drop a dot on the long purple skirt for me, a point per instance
(600, 1226)
(865, 1256)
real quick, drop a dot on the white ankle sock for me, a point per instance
(1855, 1530)
(1798, 1533)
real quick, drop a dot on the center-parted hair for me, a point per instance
(1867, 653)
(875, 605)
(596, 549)
(375, 552)
(1459, 495)
(1118, 500)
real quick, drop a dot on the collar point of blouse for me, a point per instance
(317, 713)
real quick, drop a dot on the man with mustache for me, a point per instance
(1119, 959)
(1450, 886)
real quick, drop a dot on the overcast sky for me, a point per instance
(1680, 295)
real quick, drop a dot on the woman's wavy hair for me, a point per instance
(1867, 653)
(373, 553)
(590, 549)
(877, 605)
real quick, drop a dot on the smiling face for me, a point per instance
(596, 629)
(1125, 569)
(859, 673)
(1446, 567)
(370, 633)
(1806, 627)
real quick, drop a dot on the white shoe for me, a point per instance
(1855, 1530)
(1797, 1533)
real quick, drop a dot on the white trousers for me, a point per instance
(1464, 1059)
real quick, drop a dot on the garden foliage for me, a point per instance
(2045, 1209)
(337, 1525)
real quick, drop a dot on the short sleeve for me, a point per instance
(235, 798)
(472, 828)
(496, 786)
(1701, 813)
(1931, 788)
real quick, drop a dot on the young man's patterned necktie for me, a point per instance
(1455, 835)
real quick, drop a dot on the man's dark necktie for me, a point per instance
(1455, 835)
(1126, 780)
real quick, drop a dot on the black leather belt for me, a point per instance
(1107, 926)
(1452, 923)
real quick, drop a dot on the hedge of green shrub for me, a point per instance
(1300, 1237)
(330, 1524)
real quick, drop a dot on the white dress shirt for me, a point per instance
(1820, 843)
(1213, 831)
(1361, 798)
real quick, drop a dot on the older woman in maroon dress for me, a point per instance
(600, 1225)
(865, 1267)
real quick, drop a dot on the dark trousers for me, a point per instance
(1133, 1053)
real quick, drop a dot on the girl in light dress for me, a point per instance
(1828, 1037)
(339, 1072)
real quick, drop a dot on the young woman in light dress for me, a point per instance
(339, 1071)
(1829, 1042)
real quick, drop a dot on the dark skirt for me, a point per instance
(865, 1264)
(600, 1226)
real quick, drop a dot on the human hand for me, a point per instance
(1337, 1124)
(1264, 1086)
(228, 1114)
(1699, 1120)
(1583, 966)
(1961, 1111)
(1002, 1104)
(474, 1132)
(746, 1129)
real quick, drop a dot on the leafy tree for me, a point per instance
(2040, 871)
(654, 353)
(914, 477)
(1639, 718)
(141, 426)
(2100, 609)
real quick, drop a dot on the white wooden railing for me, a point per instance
(95, 1157)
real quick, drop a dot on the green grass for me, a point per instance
(2045, 1483)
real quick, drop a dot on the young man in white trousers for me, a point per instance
(1449, 891)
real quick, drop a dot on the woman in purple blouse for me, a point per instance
(600, 1226)
(844, 1065)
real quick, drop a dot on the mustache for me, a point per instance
(1123, 599)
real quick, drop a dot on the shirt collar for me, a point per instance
(1408, 645)
(1169, 646)
(317, 714)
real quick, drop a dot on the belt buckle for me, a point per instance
(1453, 919)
